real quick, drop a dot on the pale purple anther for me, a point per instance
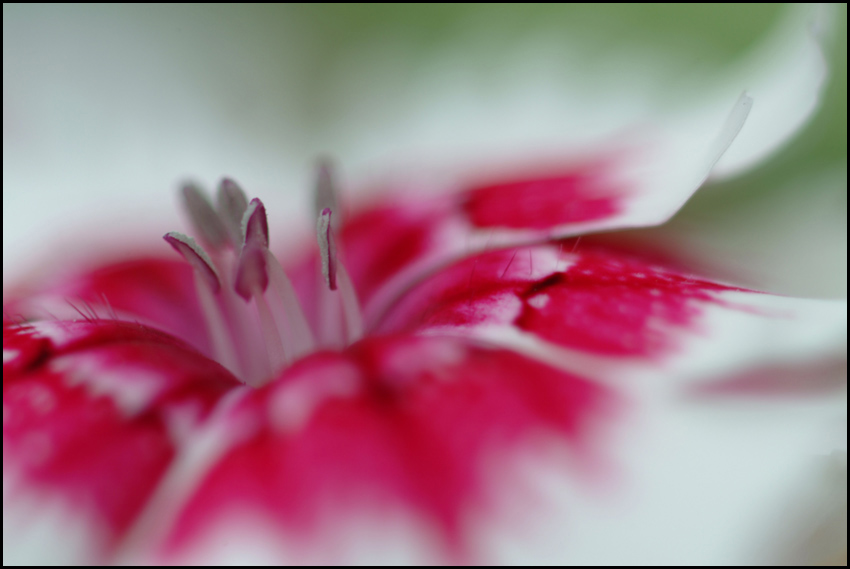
(231, 204)
(197, 258)
(327, 249)
(325, 192)
(207, 224)
(255, 226)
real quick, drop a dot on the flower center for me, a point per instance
(253, 319)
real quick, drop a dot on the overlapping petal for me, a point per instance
(636, 175)
(391, 425)
(93, 414)
(149, 290)
(600, 298)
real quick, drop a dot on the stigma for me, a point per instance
(254, 321)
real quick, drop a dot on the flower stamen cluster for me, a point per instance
(252, 315)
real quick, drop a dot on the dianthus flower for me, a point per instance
(473, 375)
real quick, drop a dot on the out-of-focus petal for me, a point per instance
(394, 428)
(634, 177)
(784, 74)
(671, 138)
(706, 481)
(93, 413)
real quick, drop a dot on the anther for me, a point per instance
(255, 226)
(325, 192)
(326, 247)
(196, 257)
(208, 226)
(231, 204)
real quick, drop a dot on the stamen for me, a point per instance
(197, 257)
(301, 341)
(255, 226)
(325, 192)
(252, 281)
(327, 251)
(350, 306)
(257, 343)
(208, 226)
(251, 276)
(231, 204)
(259, 268)
(243, 324)
(336, 277)
(207, 286)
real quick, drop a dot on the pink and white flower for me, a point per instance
(466, 372)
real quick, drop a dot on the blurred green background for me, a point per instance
(690, 38)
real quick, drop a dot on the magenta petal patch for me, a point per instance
(580, 295)
(582, 194)
(379, 243)
(90, 411)
(392, 420)
(376, 245)
(612, 305)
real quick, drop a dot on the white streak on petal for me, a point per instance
(131, 388)
(56, 332)
(205, 444)
(293, 405)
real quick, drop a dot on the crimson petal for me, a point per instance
(153, 291)
(93, 413)
(574, 293)
(392, 420)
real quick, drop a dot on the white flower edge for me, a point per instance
(657, 149)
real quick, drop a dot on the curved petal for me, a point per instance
(393, 426)
(576, 293)
(591, 298)
(636, 174)
(736, 395)
(93, 413)
(784, 74)
(665, 148)
(153, 291)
